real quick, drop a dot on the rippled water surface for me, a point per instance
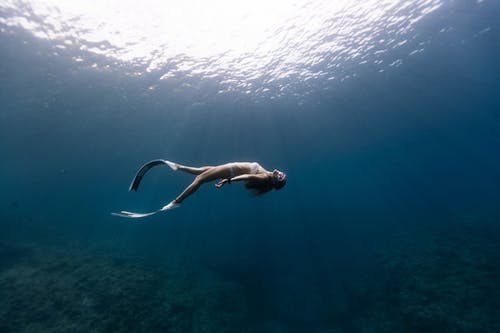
(262, 48)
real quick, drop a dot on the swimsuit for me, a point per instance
(254, 168)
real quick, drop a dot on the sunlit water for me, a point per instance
(267, 48)
(383, 114)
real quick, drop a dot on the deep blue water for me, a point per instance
(388, 222)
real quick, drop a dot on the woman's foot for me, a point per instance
(172, 165)
(171, 205)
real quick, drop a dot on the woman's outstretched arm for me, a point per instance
(222, 182)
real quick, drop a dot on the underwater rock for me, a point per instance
(60, 291)
(447, 282)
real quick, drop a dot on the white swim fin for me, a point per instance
(132, 214)
(124, 213)
(134, 186)
(172, 165)
(171, 205)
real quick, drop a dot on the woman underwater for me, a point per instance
(255, 177)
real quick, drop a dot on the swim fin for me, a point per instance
(145, 168)
(133, 215)
(172, 165)
(171, 205)
(123, 213)
(135, 185)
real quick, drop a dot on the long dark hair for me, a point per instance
(261, 186)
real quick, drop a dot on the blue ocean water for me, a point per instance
(384, 115)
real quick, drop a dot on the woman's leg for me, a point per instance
(211, 173)
(189, 190)
(192, 170)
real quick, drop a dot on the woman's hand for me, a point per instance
(221, 183)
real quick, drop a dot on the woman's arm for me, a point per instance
(239, 178)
